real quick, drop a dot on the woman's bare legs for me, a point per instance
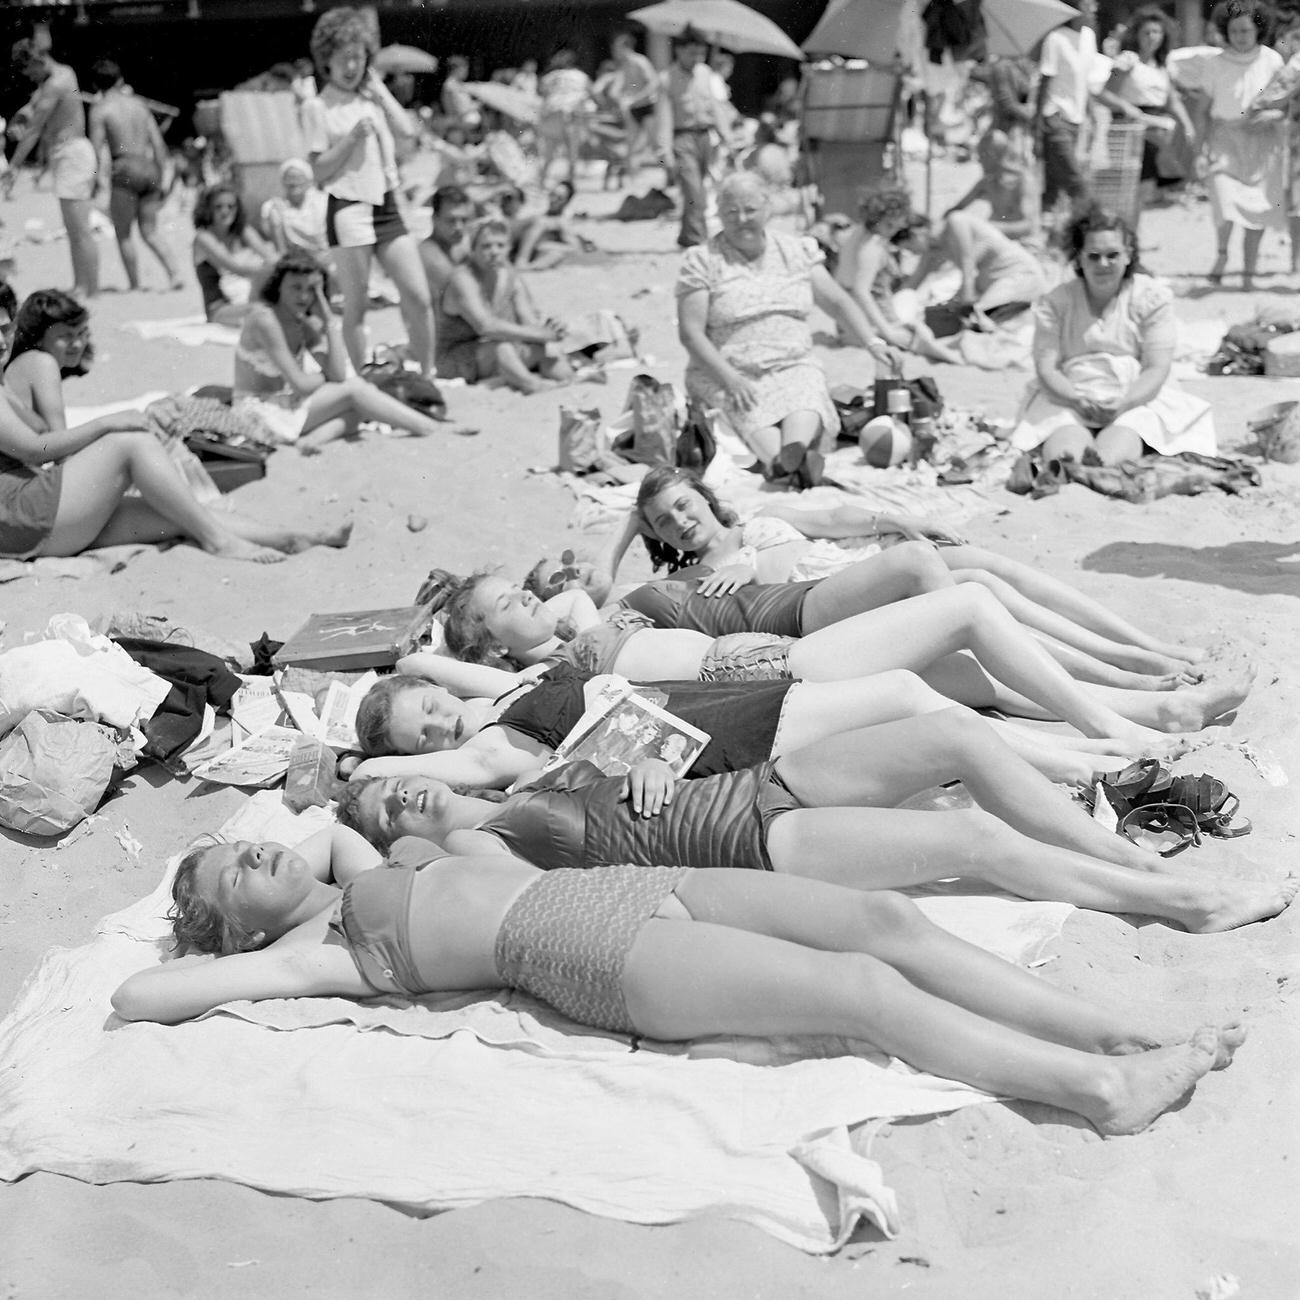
(893, 848)
(1095, 672)
(882, 765)
(92, 511)
(909, 569)
(918, 632)
(686, 979)
(352, 266)
(357, 399)
(816, 710)
(1053, 607)
(401, 259)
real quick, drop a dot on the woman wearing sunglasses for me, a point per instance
(1103, 346)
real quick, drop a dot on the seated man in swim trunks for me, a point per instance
(132, 154)
(57, 122)
(448, 244)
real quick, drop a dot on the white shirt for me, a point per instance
(371, 169)
(1068, 59)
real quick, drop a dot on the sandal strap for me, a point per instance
(1176, 818)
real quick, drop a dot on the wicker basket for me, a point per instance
(1115, 167)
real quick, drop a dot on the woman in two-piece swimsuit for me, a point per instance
(488, 618)
(230, 257)
(63, 491)
(666, 953)
(294, 316)
(828, 811)
(684, 526)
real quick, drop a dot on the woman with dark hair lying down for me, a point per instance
(666, 953)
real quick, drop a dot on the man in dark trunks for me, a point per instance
(132, 155)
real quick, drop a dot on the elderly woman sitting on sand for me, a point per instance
(631, 955)
(293, 317)
(743, 302)
(63, 491)
(1104, 344)
(488, 324)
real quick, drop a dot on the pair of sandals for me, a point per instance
(796, 466)
(1170, 813)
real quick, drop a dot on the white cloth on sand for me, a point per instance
(481, 1096)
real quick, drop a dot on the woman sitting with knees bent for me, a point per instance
(294, 317)
(669, 954)
(687, 529)
(349, 128)
(230, 257)
(1104, 344)
(63, 491)
(743, 301)
(488, 324)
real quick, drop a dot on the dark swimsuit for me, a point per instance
(775, 608)
(577, 817)
(742, 719)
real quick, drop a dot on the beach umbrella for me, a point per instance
(403, 58)
(521, 105)
(868, 29)
(721, 22)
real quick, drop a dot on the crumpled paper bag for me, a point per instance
(53, 772)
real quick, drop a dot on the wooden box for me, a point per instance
(366, 638)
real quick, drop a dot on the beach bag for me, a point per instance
(696, 445)
(644, 207)
(410, 387)
(582, 444)
(54, 771)
(652, 440)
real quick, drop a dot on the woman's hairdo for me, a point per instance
(658, 480)
(197, 923)
(338, 28)
(889, 202)
(466, 631)
(204, 216)
(295, 262)
(41, 311)
(375, 714)
(1259, 13)
(1151, 14)
(1095, 220)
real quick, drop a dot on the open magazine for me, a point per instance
(621, 727)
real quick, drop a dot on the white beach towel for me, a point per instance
(456, 1100)
(193, 331)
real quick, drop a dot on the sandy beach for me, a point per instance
(997, 1200)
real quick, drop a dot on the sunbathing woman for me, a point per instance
(827, 811)
(230, 257)
(293, 317)
(670, 954)
(413, 724)
(684, 525)
(490, 619)
(63, 491)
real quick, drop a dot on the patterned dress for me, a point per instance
(758, 319)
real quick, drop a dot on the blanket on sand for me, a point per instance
(459, 1099)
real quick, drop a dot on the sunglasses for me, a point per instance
(568, 572)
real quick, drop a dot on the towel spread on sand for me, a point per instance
(193, 331)
(447, 1102)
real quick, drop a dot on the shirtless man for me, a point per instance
(131, 153)
(635, 92)
(57, 122)
(448, 245)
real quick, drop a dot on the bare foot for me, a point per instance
(1225, 905)
(1141, 1087)
(1145, 743)
(1215, 274)
(1129, 1042)
(1197, 706)
(230, 547)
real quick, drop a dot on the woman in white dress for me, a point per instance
(1246, 148)
(1103, 347)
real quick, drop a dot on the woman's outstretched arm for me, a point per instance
(468, 681)
(189, 986)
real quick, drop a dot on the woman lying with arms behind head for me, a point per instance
(828, 811)
(630, 954)
(686, 528)
(492, 621)
(292, 317)
(63, 491)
